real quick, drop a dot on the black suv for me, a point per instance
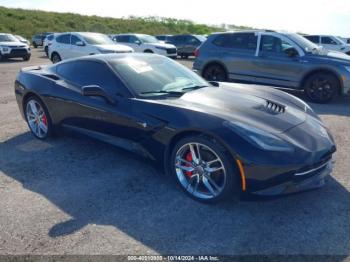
(186, 44)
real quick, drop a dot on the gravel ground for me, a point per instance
(78, 196)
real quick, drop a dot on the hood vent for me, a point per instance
(274, 108)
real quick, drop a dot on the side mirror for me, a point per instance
(291, 52)
(95, 90)
(80, 43)
(138, 42)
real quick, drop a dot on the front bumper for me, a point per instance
(15, 52)
(300, 181)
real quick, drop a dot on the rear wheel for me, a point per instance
(1, 56)
(46, 51)
(148, 51)
(215, 72)
(35, 45)
(55, 58)
(202, 169)
(321, 87)
(38, 118)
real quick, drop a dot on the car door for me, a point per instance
(237, 52)
(179, 42)
(131, 41)
(92, 115)
(63, 46)
(330, 43)
(274, 66)
(78, 47)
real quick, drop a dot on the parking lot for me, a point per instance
(77, 196)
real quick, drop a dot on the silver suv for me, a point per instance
(277, 59)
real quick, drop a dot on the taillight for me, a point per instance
(196, 52)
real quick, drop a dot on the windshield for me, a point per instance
(8, 38)
(20, 38)
(340, 41)
(156, 75)
(304, 43)
(148, 39)
(97, 39)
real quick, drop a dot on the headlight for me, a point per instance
(259, 138)
(347, 68)
(4, 48)
(161, 47)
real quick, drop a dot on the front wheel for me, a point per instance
(321, 87)
(215, 72)
(203, 169)
(38, 118)
(55, 58)
(26, 58)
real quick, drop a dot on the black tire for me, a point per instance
(50, 130)
(229, 187)
(55, 58)
(1, 57)
(46, 51)
(26, 58)
(148, 51)
(35, 45)
(215, 72)
(321, 87)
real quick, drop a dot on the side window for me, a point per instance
(63, 39)
(223, 40)
(328, 41)
(84, 73)
(122, 38)
(273, 44)
(179, 39)
(191, 40)
(313, 38)
(133, 39)
(244, 41)
(74, 39)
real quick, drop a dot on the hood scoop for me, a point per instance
(274, 107)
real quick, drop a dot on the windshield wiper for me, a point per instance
(178, 93)
(193, 87)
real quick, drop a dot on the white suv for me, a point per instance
(76, 44)
(11, 47)
(330, 42)
(146, 44)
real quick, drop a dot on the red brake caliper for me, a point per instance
(44, 119)
(189, 159)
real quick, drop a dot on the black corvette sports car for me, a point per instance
(214, 138)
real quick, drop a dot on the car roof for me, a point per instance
(106, 58)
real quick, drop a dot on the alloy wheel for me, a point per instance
(321, 89)
(200, 171)
(215, 73)
(37, 119)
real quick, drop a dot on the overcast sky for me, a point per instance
(308, 16)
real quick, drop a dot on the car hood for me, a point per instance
(254, 106)
(115, 47)
(164, 45)
(334, 56)
(13, 44)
